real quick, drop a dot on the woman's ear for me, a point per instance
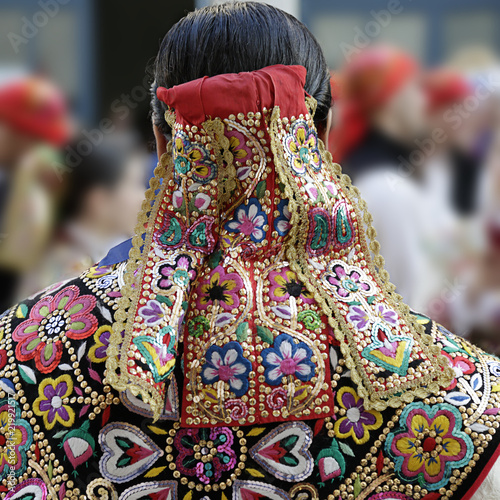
(161, 141)
(324, 132)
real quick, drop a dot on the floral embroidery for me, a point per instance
(249, 220)
(429, 444)
(347, 281)
(357, 422)
(360, 318)
(51, 318)
(180, 273)
(97, 352)
(287, 359)
(221, 288)
(282, 222)
(228, 364)
(205, 453)
(16, 437)
(188, 155)
(301, 144)
(237, 145)
(284, 284)
(461, 366)
(50, 402)
(152, 313)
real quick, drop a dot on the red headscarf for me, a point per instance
(445, 87)
(36, 107)
(366, 84)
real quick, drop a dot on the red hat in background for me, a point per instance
(34, 106)
(365, 84)
(445, 87)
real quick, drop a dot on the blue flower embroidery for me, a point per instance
(228, 364)
(249, 220)
(282, 222)
(287, 358)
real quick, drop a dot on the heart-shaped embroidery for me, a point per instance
(127, 452)
(391, 352)
(254, 490)
(158, 490)
(284, 452)
(33, 489)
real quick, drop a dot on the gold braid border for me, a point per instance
(298, 263)
(116, 370)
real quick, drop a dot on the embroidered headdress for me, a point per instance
(254, 252)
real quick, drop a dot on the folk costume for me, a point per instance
(251, 345)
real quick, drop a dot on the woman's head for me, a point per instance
(237, 37)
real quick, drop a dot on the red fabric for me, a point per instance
(35, 107)
(444, 88)
(215, 96)
(366, 84)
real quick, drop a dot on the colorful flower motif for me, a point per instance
(287, 359)
(180, 273)
(237, 146)
(461, 366)
(152, 313)
(97, 352)
(284, 284)
(220, 287)
(359, 317)
(16, 437)
(50, 402)
(282, 222)
(301, 144)
(51, 318)
(205, 453)
(228, 364)
(385, 314)
(202, 201)
(347, 281)
(99, 271)
(192, 157)
(249, 220)
(429, 445)
(356, 422)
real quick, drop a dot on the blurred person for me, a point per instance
(381, 110)
(477, 312)
(34, 123)
(98, 210)
(250, 346)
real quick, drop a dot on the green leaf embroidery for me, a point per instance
(242, 332)
(265, 334)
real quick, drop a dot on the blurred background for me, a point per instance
(415, 123)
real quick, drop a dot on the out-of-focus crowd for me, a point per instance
(422, 145)
(65, 198)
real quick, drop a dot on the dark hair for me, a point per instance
(235, 37)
